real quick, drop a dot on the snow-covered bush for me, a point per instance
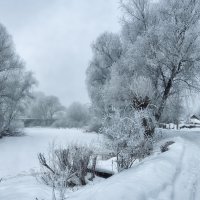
(66, 167)
(125, 135)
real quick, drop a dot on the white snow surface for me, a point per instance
(173, 175)
(18, 160)
(107, 166)
(195, 121)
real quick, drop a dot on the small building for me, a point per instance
(194, 119)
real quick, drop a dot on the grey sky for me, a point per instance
(54, 37)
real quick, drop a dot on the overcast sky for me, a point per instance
(54, 38)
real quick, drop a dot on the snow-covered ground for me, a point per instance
(18, 160)
(173, 175)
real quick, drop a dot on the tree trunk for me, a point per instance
(94, 161)
(164, 99)
(149, 129)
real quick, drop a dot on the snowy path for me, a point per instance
(186, 181)
(173, 175)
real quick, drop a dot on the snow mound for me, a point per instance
(170, 175)
(106, 166)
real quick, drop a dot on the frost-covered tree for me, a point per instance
(106, 50)
(14, 103)
(167, 51)
(160, 41)
(174, 110)
(159, 57)
(15, 84)
(77, 115)
(127, 90)
(136, 19)
(45, 107)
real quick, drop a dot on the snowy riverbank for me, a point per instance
(172, 175)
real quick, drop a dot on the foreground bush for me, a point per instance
(126, 137)
(66, 167)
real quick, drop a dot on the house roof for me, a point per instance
(194, 117)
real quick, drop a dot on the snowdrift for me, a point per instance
(170, 175)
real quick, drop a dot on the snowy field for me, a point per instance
(18, 160)
(173, 175)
